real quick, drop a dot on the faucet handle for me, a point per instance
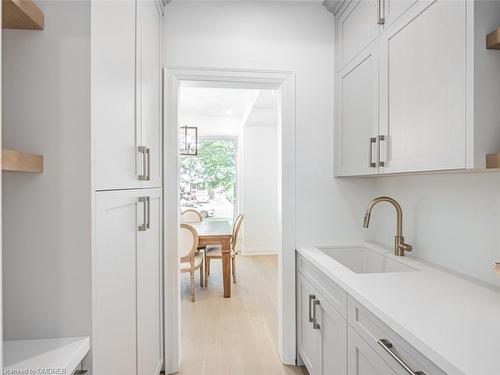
(406, 247)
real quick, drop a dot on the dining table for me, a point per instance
(214, 233)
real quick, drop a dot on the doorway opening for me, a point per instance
(214, 181)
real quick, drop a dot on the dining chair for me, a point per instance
(191, 259)
(215, 251)
(191, 216)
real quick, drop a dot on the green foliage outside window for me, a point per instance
(214, 168)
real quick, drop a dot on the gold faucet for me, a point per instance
(399, 242)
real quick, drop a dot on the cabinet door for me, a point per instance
(393, 9)
(333, 330)
(356, 115)
(423, 70)
(149, 290)
(149, 86)
(117, 217)
(362, 359)
(309, 339)
(356, 28)
(113, 95)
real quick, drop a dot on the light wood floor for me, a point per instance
(237, 335)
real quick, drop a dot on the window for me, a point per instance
(208, 180)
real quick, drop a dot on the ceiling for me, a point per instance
(216, 102)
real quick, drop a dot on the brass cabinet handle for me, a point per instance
(145, 209)
(387, 346)
(148, 221)
(146, 163)
(381, 138)
(143, 176)
(315, 324)
(148, 169)
(311, 297)
(380, 15)
(371, 163)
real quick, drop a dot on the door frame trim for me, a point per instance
(174, 77)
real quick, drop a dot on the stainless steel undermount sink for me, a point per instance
(363, 260)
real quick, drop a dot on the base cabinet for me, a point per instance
(322, 332)
(127, 283)
(333, 329)
(333, 342)
(362, 358)
(149, 288)
(309, 339)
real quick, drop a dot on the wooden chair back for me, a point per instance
(236, 231)
(191, 216)
(188, 242)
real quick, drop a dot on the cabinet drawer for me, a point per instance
(362, 359)
(372, 329)
(333, 293)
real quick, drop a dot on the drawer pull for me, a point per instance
(387, 346)
(311, 297)
(315, 324)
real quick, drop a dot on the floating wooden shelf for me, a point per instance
(15, 161)
(493, 39)
(21, 14)
(493, 161)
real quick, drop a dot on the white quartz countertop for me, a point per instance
(451, 320)
(59, 355)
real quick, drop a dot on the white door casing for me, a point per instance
(284, 82)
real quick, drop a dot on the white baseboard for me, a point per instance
(258, 252)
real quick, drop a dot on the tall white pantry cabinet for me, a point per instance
(127, 254)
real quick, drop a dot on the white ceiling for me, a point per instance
(216, 102)
(223, 112)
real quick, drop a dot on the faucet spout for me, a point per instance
(366, 220)
(399, 245)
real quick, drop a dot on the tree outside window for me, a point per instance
(208, 180)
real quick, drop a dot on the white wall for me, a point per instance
(451, 219)
(46, 217)
(260, 189)
(284, 36)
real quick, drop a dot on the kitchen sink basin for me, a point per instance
(363, 260)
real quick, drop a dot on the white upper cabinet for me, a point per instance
(149, 86)
(437, 88)
(356, 114)
(113, 64)
(392, 9)
(126, 94)
(356, 28)
(423, 93)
